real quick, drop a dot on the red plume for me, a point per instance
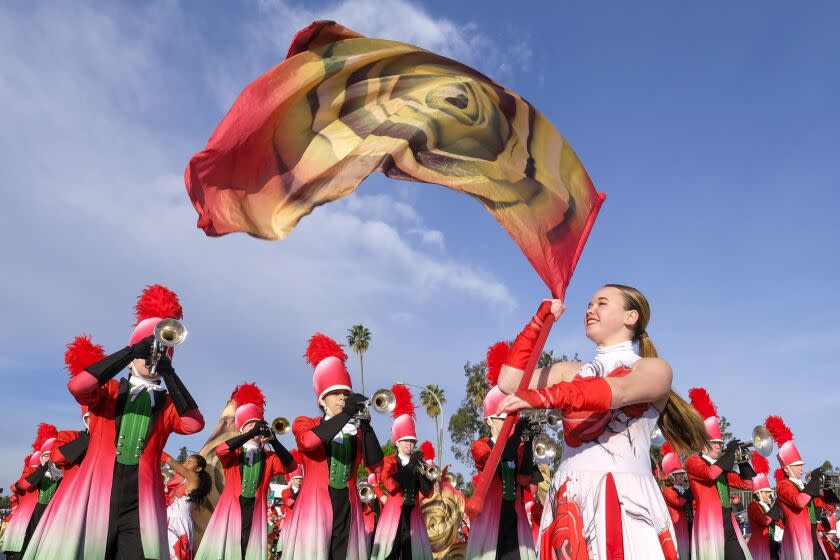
(701, 401)
(405, 402)
(496, 356)
(778, 430)
(157, 301)
(321, 346)
(779, 475)
(428, 450)
(248, 393)
(45, 432)
(760, 464)
(666, 448)
(81, 354)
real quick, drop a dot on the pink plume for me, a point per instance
(321, 346)
(760, 464)
(702, 402)
(496, 356)
(778, 429)
(428, 450)
(81, 354)
(248, 393)
(157, 301)
(405, 402)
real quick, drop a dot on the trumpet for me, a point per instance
(382, 401)
(168, 334)
(761, 442)
(831, 480)
(365, 491)
(451, 478)
(545, 448)
(280, 425)
(432, 472)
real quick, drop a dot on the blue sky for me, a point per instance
(711, 128)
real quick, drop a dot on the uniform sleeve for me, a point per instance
(191, 422)
(226, 455)
(288, 498)
(306, 439)
(389, 469)
(757, 516)
(735, 481)
(23, 485)
(86, 389)
(672, 498)
(791, 496)
(275, 466)
(698, 470)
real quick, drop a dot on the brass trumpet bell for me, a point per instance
(280, 425)
(432, 472)
(545, 449)
(762, 442)
(552, 419)
(451, 478)
(365, 491)
(383, 401)
(170, 332)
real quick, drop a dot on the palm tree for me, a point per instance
(358, 338)
(432, 399)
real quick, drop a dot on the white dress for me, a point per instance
(179, 519)
(623, 449)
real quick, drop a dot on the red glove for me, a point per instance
(523, 346)
(588, 394)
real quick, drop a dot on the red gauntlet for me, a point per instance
(523, 346)
(588, 394)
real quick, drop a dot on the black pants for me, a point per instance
(507, 544)
(818, 555)
(123, 540)
(246, 510)
(340, 538)
(731, 547)
(401, 549)
(775, 550)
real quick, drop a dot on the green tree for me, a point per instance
(724, 430)
(827, 466)
(182, 455)
(358, 338)
(432, 399)
(467, 423)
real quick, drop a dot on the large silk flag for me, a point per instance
(342, 106)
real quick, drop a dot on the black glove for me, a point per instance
(238, 441)
(512, 444)
(814, 485)
(746, 471)
(775, 511)
(371, 449)
(830, 496)
(282, 453)
(425, 485)
(181, 397)
(105, 369)
(143, 348)
(74, 450)
(355, 404)
(727, 461)
(327, 429)
(35, 477)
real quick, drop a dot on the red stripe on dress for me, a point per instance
(615, 537)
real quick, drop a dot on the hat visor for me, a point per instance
(332, 388)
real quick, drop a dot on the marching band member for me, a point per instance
(677, 497)
(763, 514)
(187, 489)
(401, 530)
(373, 509)
(117, 505)
(327, 521)
(800, 501)
(288, 498)
(604, 498)
(715, 534)
(238, 528)
(36, 487)
(70, 446)
(502, 531)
